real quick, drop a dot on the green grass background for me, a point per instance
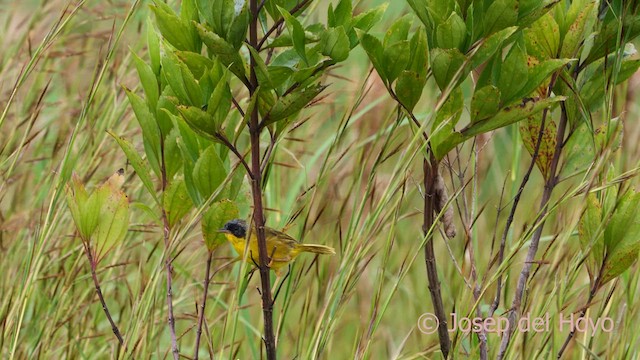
(352, 171)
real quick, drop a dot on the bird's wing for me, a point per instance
(280, 235)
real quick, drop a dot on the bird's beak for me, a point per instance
(222, 231)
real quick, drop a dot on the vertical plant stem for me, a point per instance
(430, 169)
(96, 283)
(550, 183)
(166, 230)
(256, 186)
(592, 294)
(203, 304)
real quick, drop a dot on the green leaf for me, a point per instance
(409, 88)
(591, 235)
(219, 104)
(139, 165)
(174, 29)
(529, 130)
(148, 80)
(78, 202)
(622, 237)
(297, 33)
(398, 31)
(579, 151)
(609, 135)
(501, 14)
(443, 129)
(176, 201)
(365, 20)
(181, 80)
(209, 172)
(172, 156)
(419, 62)
(579, 28)
(200, 121)
(542, 38)
(238, 29)
(485, 103)
(373, 47)
(513, 73)
(113, 221)
(491, 45)
(196, 63)
(218, 14)
(452, 33)
(532, 10)
(510, 115)
(153, 46)
(291, 103)
(335, 44)
(214, 219)
(445, 64)
(341, 16)
(150, 131)
(539, 77)
(226, 53)
(396, 59)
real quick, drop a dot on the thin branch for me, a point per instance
(238, 107)
(166, 230)
(235, 151)
(96, 284)
(273, 27)
(203, 304)
(550, 183)
(516, 200)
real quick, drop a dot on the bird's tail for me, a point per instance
(316, 249)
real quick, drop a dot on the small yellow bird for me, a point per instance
(281, 248)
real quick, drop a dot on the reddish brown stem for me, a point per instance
(430, 177)
(258, 211)
(96, 284)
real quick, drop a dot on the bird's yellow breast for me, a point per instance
(281, 252)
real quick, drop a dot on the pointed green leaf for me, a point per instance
(214, 219)
(396, 59)
(335, 44)
(510, 115)
(443, 128)
(485, 103)
(591, 235)
(291, 103)
(530, 130)
(139, 165)
(452, 33)
(296, 31)
(373, 47)
(398, 31)
(445, 64)
(409, 88)
(176, 201)
(200, 121)
(174, 29)
(209, 172)
(226, 53)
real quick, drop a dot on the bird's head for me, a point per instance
(235, 227)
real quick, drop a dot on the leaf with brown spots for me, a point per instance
(529, 130)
